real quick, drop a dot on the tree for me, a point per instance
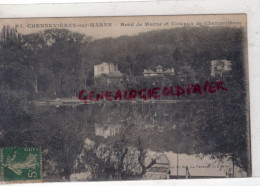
(12, 72)
(223, 129)
(62, 57)
(117, 160)
(62, 136)
(16, 118)
(33, 44)
(9, 36)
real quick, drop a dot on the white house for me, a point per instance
(105, 68)
(220, 67)
(159, 72)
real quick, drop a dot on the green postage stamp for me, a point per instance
(20, 164)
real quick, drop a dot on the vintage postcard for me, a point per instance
(124, 98)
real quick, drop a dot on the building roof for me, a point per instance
(108, 125)
(149, 71)
(162, 159)
(103, 63)
(226, 72)
(116, 74)
(160, 169)
(219, 61)
(169, 71)
(159, 66)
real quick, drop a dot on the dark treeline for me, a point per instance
(59, 63)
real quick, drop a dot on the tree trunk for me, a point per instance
(59, 87)
(35, 81)
(66, 174)
(36, 86)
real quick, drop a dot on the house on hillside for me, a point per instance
(159, 72)
(104, 69)
(221, 68)
(108, 73)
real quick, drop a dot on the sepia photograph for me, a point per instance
(124, 98)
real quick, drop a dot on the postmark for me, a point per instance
(20, 164)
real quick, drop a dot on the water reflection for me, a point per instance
(163, 126)
(164, 129)
(106, 130)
